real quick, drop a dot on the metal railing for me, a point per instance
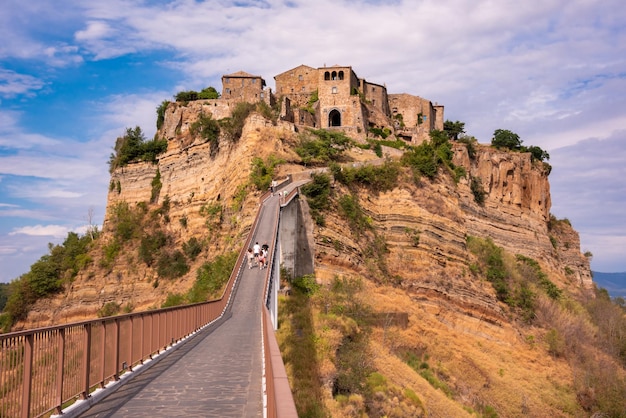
(45, 370)
(280, 402)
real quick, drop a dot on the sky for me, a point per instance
(74, 74)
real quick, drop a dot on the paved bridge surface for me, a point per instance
(216, 373)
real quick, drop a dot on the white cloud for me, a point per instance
(95, 30)
(12, 83)
(57, 231)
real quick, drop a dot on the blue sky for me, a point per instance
(74, 74)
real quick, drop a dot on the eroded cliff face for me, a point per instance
(415, 259)
(425, 227)
(190, 175)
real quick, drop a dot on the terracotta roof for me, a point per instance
(295, 68)
(242, 74)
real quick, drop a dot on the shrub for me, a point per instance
(233, 126)
(156, 187)
(171, 266)
(239, 197)
(213, 213)
(125, 222)
(421, 160)
(556, 343)
(109, 309)
(470, 143)
(161, 113)
(151, 245)
(306, 284)
(211, 278)
(267, 112)
(174, 299)
(476, 186)
(186, 96)
(380, 132)
(375, 178)
(208, 129)
(321, 146)
(491, 256)
(192, 248)
(350, 208)
(134, 147)
(263, 171)
(317, 193)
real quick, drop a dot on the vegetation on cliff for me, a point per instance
(47, 276)
(516, 341)
(344, 334)
(133, 146)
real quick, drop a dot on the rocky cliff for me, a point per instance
(415, 261)
(515, 215)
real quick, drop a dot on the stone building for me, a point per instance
(244, 87)
(336, 98)
(414, 117)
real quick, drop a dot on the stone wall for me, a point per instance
(243, 87)
(376, 95)
(418, 115)
(297, 84)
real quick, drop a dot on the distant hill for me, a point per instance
(614, 283)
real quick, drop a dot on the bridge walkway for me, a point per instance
(218, 373)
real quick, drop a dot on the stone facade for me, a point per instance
(352, 104)
(414, 117)
(244, 87)
(327, 97)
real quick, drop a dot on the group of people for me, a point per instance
(258, 254)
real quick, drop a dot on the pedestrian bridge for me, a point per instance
(217, 358)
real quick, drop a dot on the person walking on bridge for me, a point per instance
(256, 248)
(250, 255)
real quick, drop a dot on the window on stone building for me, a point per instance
(333, 75)
(292, 89)
(226, 80)
(326, 75)
(373, 102)
(254, 81)
(227, 91)
(303, 88)
(300, 77)
(334, 118)
(340, 75)
(334, 90)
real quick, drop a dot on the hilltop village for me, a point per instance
(336, 98)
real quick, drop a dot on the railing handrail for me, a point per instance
(103, 356)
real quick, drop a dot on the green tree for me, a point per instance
(186, 96)
(263, 171)
(503, 138)
(454, 129)
(133, 147)
(537, 153)
(209, 93)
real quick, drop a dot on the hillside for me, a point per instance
(503, 318)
